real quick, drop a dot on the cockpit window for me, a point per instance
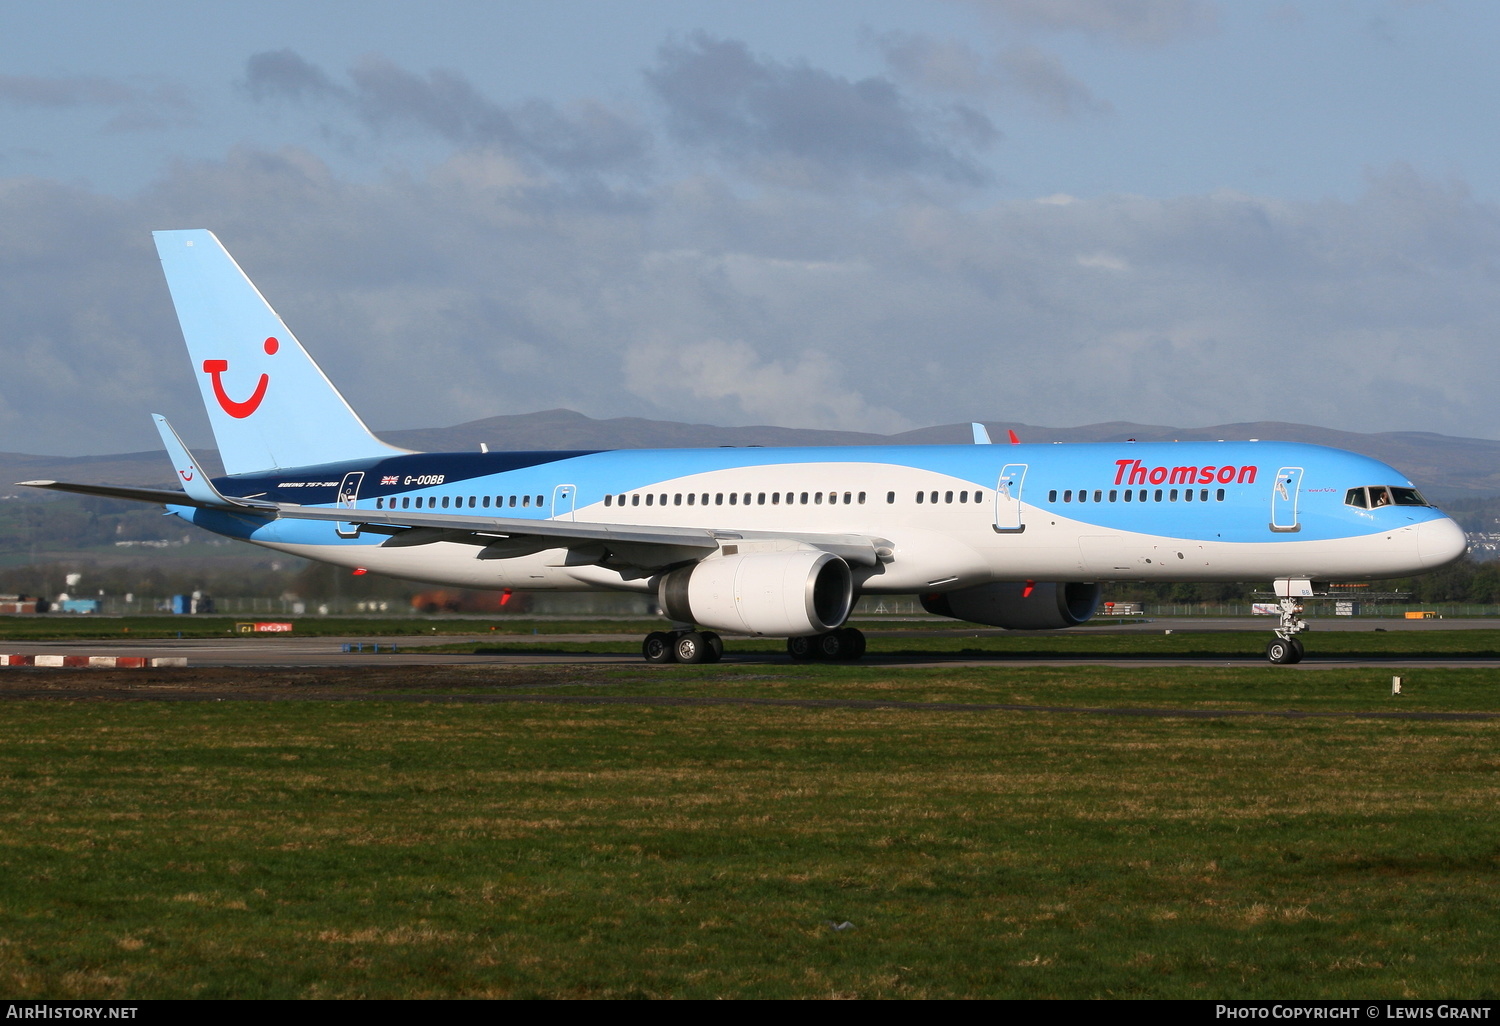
(1376, 496)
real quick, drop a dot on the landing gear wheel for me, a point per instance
(657, 648)
(853, 643)
(800, 649)
(714, 647)
(1283, 651)
(830, 646)
(690, 648)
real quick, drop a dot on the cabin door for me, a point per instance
(1008, 499)
(1284, 499)
(348, 499)
(562, 502)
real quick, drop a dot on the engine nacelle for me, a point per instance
(1049, 607)
(777, 593)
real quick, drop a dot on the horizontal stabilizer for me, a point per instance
(159, 496)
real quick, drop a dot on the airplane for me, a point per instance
(775, 542)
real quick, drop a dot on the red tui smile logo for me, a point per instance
(240, 410)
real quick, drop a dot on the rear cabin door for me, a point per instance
(562, 502)
(348, 499)
(1008, 498)
(1284, 499)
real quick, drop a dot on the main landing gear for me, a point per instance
(1285, 648)
(686, 646)
(846, 644)
(690, 646)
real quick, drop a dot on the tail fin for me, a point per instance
(269, 404)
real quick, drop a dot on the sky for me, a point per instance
(868, 215)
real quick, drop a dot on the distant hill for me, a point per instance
(1445, 467)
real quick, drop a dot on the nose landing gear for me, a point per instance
(1285, 648)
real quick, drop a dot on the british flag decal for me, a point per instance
(389, 479)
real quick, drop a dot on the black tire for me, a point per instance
(1297, 651)
(854, 643)
(690, 647)
(714, 645)
(830, 646)
(657, 648)
(1280, 652)
(800, 648)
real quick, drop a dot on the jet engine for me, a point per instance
(1007, 604)
(777, 593)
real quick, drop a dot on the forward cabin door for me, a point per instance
(348, 499)
(1008, 499)
(1284, 499)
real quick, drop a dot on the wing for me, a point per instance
(645, 546)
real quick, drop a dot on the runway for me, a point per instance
(293, 651)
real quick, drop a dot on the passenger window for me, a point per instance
(1098, 495)
(948, 497)
(890, 498)
(846, 498)
(1127, 495)
(526, 501)
(1158, 495)
(1068, 495)
(649, 499)
(920, 496)
(486, 502)
(1187, 494)
(445, 502)
(1052, 495)
(1083, 495)
(677, 499)
(406, 503)
(934, 496)
(1203, 495)
(861, 498)
(804, 498)
(734, 497)
(776, 498)
(1173, 495)
(817, 498)
(963, 496)
(691, 497)
(718, 498)
(760, 500)
(705, 498)
(1221, 495)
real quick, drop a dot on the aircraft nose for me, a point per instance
(1440, 542)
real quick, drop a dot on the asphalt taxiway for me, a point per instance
(284, 650)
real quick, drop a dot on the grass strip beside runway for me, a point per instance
(394, 849)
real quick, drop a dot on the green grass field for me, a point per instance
(409, 848)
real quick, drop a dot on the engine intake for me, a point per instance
(1049, 607)
(776, 593)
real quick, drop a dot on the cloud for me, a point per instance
(1133, 22)
(795, 123)
(1026, 72)
(806, 389)
(140, 104)
(384, 97)
(480, 288)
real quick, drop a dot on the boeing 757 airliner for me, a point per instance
(754, 541)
